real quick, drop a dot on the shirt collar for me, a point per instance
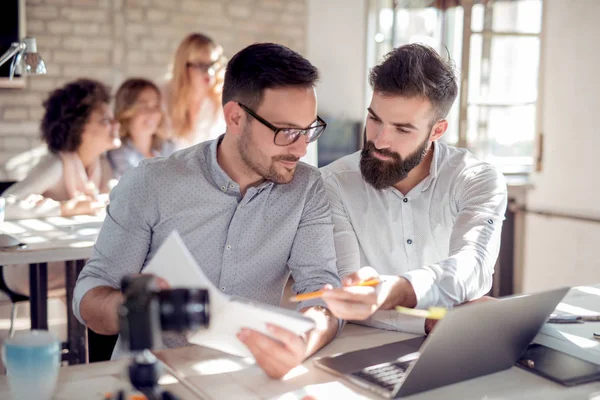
(433, 168)
(220, 177)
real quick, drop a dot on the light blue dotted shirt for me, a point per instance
(247, 246)
(128, 156)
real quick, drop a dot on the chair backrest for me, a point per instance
(5, 185)
(100, 347)
(14, 297)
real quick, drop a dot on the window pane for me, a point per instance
(418, 25)
(522, 16)
(503, 69)
(453, 41)
(502, 135)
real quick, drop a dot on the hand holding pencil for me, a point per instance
(319, 293)
(357, 299)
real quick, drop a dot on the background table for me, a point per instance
(68, 240)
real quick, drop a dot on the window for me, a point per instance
(498, 50)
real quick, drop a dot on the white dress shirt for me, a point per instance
(443, 236)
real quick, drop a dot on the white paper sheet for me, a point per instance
(329, 390)
(174, 263)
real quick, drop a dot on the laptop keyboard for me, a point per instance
(384, 375)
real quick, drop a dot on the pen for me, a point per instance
(573, 319)
(319, 293)
(432, 313)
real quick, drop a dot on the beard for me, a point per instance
(382, 174)
(261, 164)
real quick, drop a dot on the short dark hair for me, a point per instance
(417, 70)
(265, 66)
(68, 109)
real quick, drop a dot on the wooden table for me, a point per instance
(214, 375)
(48, 240)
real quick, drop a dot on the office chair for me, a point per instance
(14, 299)
(12, 296)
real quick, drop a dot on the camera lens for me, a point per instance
(183, 309)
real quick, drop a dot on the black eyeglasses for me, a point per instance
(204, 67)
(287, 136)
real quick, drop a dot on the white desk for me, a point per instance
(48, 240)
(51, 239)
(219, 376)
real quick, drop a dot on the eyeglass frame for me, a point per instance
(205, 67)
(276, 130)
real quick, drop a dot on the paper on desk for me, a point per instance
(329, 390)
(392, 320)
(174, 263)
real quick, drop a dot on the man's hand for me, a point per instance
(353, 302)
(99, 307)
(275, 357)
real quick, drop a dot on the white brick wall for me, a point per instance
(111, 40)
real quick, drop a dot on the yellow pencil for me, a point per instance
(319, 293)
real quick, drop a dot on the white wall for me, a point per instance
(558, 251)
(336, 44)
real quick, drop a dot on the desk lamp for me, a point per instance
(27, 60)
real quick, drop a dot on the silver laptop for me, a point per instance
(470, 341)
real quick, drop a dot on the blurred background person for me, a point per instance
(138, 109)
(193, 92)
(75, 176)
(78, 127)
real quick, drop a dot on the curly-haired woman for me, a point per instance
(78, 127)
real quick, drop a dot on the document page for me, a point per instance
(174, 263)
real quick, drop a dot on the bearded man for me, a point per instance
(407, 205)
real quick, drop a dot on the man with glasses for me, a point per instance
(426, 214)
(246, 207)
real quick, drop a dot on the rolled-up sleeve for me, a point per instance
(481, 199)
(312, 259)
(124, 239)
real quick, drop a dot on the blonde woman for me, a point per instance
(193, 93)
(138, 109)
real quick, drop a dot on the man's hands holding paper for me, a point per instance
(279, 354)
(275, 357)
(354, 302)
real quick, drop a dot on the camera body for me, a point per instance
(145, 313)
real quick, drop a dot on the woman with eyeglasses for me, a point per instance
(75, 176)
(138, 109)
(78, 128)
(193, 93)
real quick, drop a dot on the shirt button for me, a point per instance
(405, 200)
(409, 241)
(490, 221)
(228, 247)
(223, 289)
(223, 188)
(231, 186)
